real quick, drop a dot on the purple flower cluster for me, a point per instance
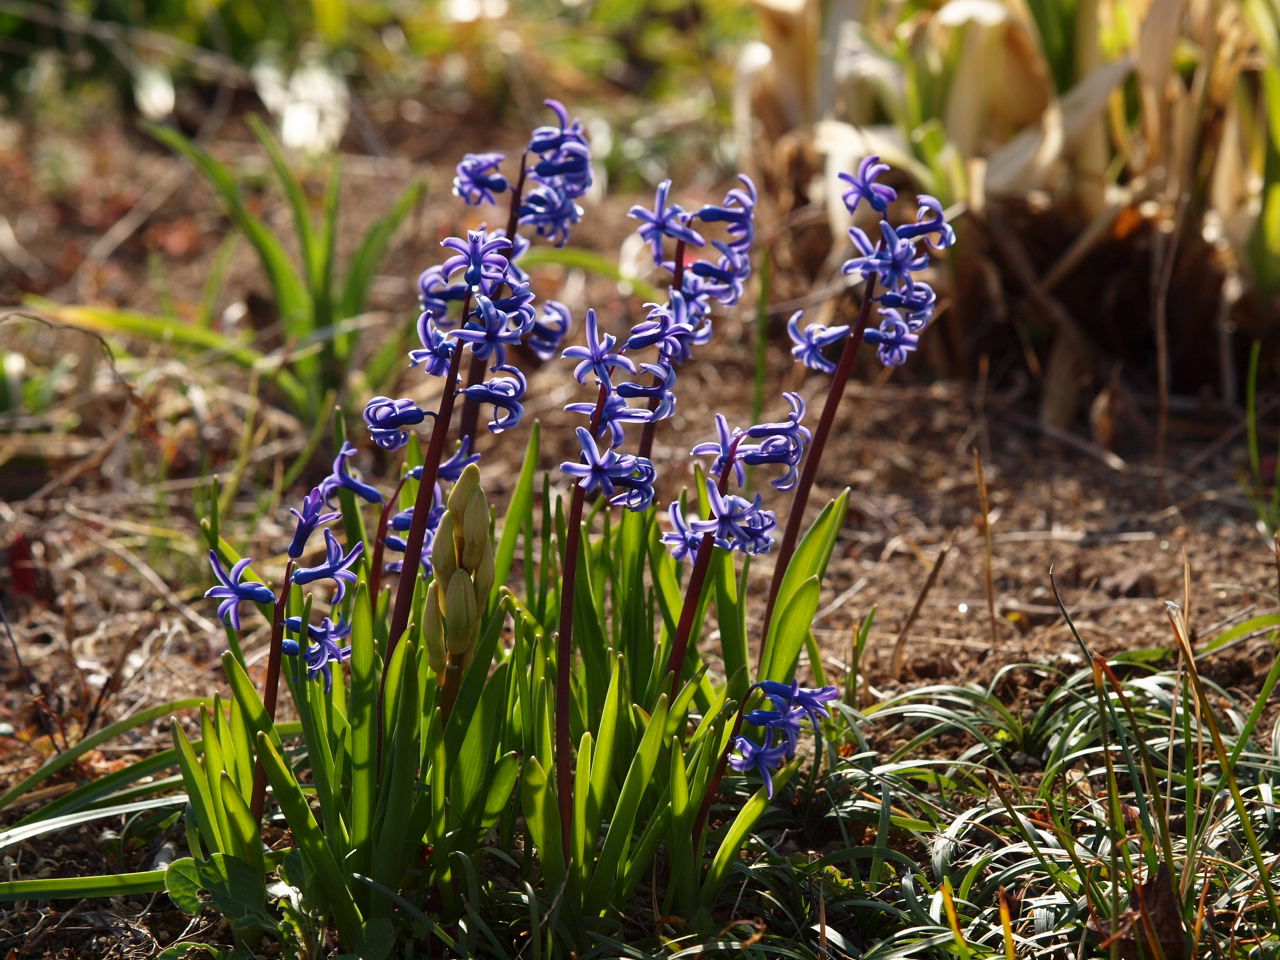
(336, 566)
(906, 304)
(609, 470)
(625, 479)
(549, 332)
(665, 221)
(675, 328)
(598, 360)
(782, 443)
(505, 394)
(735, 523)
(323, 650)
(685, 320)
(561, 174)
(793, 705)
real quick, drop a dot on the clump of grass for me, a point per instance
(1132, 809)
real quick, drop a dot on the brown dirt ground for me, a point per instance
(99, 487)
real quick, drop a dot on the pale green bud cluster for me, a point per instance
(462, 561)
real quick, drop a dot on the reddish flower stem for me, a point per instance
(517, 195)
(839, 380)
(270, 689)
(697, 579)
(379, 542)
(713, 785)
(423, 502)
(564, 646)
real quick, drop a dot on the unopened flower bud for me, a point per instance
(460, 613)
(433, 631)
(475, 529)
(468, 481)
(444, 560)
(484, 573)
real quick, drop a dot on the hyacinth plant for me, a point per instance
(569, 729)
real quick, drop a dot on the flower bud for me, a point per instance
(444, 559)
(433, 631)
(468, 481)
(475, 529)
(484, 574)
(461, 618)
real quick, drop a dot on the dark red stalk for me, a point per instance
(839, 380)
(693, 590)
(379, 542)
(714, 784)
(270, 688)
(470, 419)
(645, 448)
(517, 195)
(564, 645)
(423, 503)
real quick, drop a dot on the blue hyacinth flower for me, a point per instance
(664, 220)
(232, 592)
(309, 518)
(336, 566)
(477, 179)
(341, 479)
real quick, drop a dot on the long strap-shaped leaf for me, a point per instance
(289, 290)
(778, 659)
(297, 813)
(737, 833)
(159, 329)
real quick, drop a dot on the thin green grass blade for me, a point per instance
(293, 193)
(322, 288)
(157, 329)
(289, 290)
(519, 513)
(67, 757)
(18, 834)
